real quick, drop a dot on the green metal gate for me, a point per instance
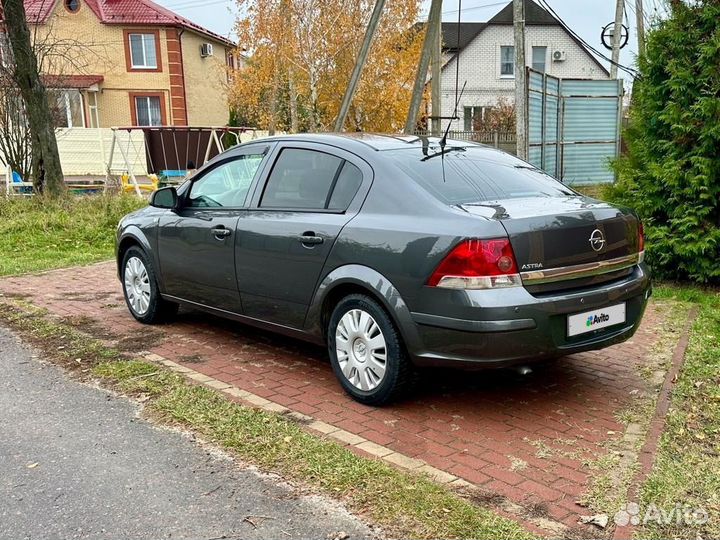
(574, 127)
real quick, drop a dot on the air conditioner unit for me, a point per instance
(206, 49)
(559, 56)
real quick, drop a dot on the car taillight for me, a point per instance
(641, 242)
(478, 264)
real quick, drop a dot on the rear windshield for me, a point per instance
(470, 177)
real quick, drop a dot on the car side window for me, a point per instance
(227, 185)
(347, 184)
(302, 179)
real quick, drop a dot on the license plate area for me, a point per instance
(596, 319)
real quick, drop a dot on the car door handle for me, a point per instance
(309, 239)
(220, 232)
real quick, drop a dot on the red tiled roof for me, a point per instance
(72, 81)
(127, 12)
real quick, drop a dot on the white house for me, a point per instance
(487, 60)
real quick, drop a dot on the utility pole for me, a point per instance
(640, 22)
(520, 76)
(359, 64)
(435, 87)
(433, 24)
(617, 35)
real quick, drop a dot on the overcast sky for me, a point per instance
(586, 17)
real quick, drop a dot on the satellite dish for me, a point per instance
(606, 36)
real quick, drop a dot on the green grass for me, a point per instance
(39, 234)
(687, 467)
(404, 504)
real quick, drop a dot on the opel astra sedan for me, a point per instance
(394, 252)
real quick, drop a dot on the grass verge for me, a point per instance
(687, 466)
(613, 471)
(39, 234)
(405, 505)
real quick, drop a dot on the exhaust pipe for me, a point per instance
(523, 370)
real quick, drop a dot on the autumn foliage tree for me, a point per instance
(300, 57)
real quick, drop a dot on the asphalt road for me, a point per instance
(77, 462)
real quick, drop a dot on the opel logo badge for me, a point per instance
(597, 240)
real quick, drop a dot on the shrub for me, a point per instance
(671, 173)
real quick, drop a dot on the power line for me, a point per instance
(630, 71)
(646, 17)
(483, 6)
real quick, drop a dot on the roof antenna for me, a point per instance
(443, 141)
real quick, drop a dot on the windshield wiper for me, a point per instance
(444, 151)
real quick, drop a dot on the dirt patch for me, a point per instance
(483, 498)
(89, 326)
(142, 339)
(86, 297)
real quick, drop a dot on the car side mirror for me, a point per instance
(166, 197)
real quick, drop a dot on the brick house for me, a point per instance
(487, 60)
(129, 62)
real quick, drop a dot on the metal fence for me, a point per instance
(574, 127)
(503, 140)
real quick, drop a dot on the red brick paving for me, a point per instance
(523, 438)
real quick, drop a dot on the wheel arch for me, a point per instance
(358, 279)
(134, 236)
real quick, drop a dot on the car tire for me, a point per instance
(363, 342)
(141, 291)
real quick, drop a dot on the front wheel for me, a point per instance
(140, 287)
(366, 351)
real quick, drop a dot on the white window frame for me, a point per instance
(93, 109)
(147, 101)
(500, 67)
(532, 56)
(143, 42)
(65, 95)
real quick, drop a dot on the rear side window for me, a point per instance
(348, 182)
(310, 180)
(470, 177)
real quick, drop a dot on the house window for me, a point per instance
(143, 51)
(538, 58)
(67, 108)
(507, 61)
(148, 111)
(474, 117)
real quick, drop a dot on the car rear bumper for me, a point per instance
(506, 327)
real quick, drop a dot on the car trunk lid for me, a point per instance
(560, 232)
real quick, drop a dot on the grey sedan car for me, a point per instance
(394, 252)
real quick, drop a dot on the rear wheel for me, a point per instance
(366, 352)
(142, 294)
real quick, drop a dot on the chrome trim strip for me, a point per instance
(562, 273)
